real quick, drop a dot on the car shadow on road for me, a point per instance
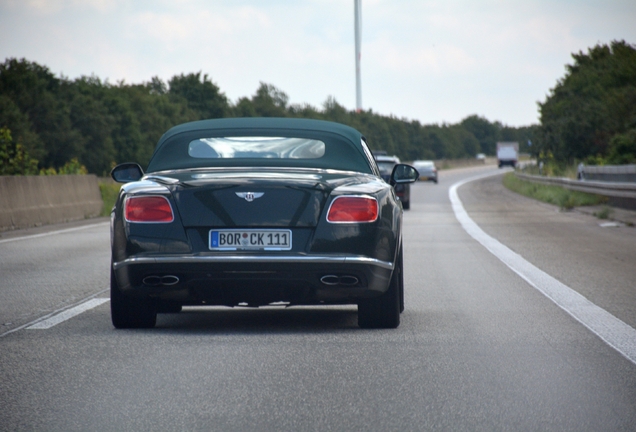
(259, 320)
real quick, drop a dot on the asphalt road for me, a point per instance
(479, 348)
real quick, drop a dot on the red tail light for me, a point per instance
(149, 209)
(353, 209)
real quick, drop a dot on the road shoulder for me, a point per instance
(594, 259)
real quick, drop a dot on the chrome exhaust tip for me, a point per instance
(169, 280)
(348, 280)
(160, 280)
(330, 280)
(152, 280)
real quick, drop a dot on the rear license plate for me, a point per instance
(250, 239)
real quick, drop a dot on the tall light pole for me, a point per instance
(357, 6)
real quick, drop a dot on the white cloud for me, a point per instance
(48, 7)
(433, 61)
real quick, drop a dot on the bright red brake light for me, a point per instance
(149, 209)
(353, 209)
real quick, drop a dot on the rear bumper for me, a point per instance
(216, 259)
(510, 162)
(428, 175)
(253, 279)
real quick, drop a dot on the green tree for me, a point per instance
(304, 111)
(270, 101)
(38, 94)
(20, 125)
(154, 114)
(622, 148)
(333, 111)
(485, 132)
(91, 123)
(92, 118)
(436, 141)
(418, 146)
(594, 102)
(244, 108)
(201, 94)
(14, 159)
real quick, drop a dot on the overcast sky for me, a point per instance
(431, 61)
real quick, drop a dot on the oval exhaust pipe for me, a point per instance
(348, 280)
(160, 280)
(169, 280)
(330, 280)
(152, 280)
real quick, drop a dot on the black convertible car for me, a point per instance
(254, 212)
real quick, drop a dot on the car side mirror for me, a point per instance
(403, 173)
(127, 172)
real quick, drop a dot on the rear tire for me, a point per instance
(384, 311)
(129, 312)
(406, 205)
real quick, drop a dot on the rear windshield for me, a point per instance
(256, 147)
(195, 149)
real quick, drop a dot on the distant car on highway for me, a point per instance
(386, 164)
(427, 170)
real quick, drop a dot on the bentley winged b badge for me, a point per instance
(249, 196)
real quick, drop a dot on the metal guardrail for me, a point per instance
(609, 189)
(608, 173)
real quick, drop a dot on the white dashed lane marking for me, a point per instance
(67, 314)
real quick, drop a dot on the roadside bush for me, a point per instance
(564, 198)
(622, 149)
(14, 159)
(72, 167)
(109, 192)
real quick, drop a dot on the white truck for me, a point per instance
(507, 153)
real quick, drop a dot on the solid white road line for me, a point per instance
(67, 314)
(54, 232)
(610, 329)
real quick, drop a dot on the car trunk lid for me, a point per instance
(249, 200)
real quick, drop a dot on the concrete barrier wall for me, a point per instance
(27, 201)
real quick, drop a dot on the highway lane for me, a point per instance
(478, 348)
(46, 269)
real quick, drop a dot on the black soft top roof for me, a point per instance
(344, 147)
(273, 124)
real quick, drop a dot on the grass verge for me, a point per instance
(566, 199)
(604, 213)
(109, 193)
